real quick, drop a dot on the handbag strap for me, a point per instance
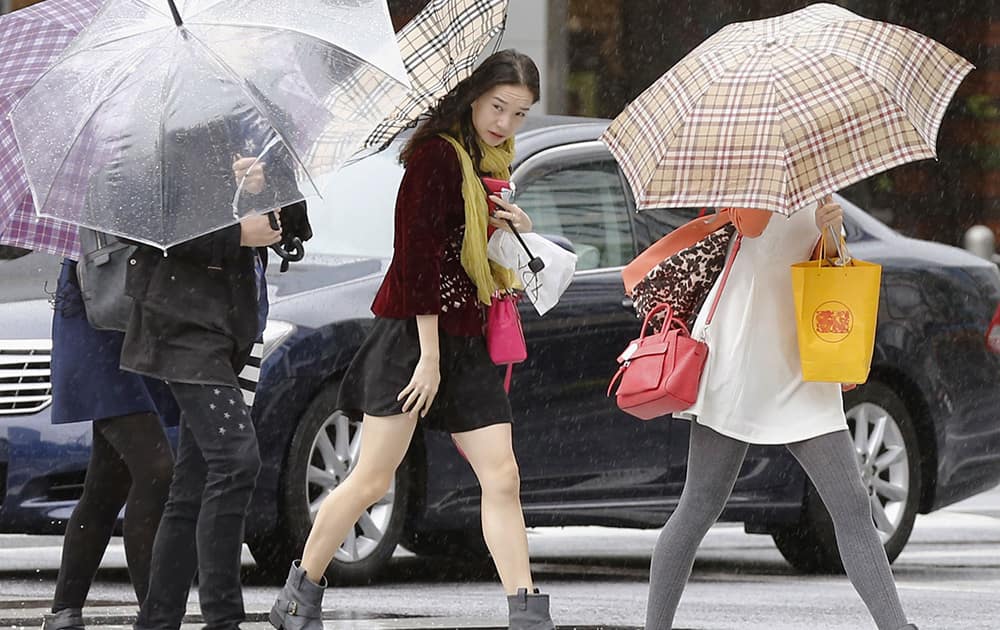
(667, 319)
(725, 276)
(681, 238)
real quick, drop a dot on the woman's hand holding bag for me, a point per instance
(836, 309)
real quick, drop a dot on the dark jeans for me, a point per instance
(202, 526)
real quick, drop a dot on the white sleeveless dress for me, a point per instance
(752, 388)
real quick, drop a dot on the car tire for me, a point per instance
(888, 454)
(322, 452)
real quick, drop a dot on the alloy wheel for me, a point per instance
(333, 456)
(883, 462)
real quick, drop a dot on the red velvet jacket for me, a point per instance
(426, 276)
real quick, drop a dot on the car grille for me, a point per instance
(25, 376)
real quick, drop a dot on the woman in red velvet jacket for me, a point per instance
(425, 358)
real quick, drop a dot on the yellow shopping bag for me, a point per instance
(836, 309)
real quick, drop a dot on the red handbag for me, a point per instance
(660, 373)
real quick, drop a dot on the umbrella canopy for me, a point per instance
(136, 127)
(440, 47)
(30, 41)
(777, 113)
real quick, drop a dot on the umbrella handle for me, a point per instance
(535, 263)
(295, 253)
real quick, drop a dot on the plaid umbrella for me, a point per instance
(30, 40)
(777, 113)
(440, 48)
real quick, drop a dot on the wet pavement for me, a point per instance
(948, 576)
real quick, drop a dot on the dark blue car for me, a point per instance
(926, 426)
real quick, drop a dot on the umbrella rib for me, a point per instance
(288, 29)
(112, 90)
(785, 183)
(152, 7)
(93, 47)
(931, 143)
(167, 81)
(187, 18)
(65, 57)
(260, 108)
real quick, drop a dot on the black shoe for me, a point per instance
(65, 619)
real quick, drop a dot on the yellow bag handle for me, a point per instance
(842, 253)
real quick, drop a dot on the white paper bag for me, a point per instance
(543, 289)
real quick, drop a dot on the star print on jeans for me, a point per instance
(222, 430)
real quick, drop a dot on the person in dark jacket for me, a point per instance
(198, 308)
(426, 359)
(130, 458)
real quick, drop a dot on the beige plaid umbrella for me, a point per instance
(440, 48)
(777, 113)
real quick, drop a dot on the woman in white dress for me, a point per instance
(752, 392)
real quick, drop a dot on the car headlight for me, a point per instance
(275, 333)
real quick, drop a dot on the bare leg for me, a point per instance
(491, 454)
(384, 442)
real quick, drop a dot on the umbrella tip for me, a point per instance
(177, 15)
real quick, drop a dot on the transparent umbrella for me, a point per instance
(136, 128)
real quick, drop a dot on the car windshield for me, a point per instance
(355, 215)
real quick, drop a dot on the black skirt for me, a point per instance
(471, 394)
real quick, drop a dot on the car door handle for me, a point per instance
(627, 302)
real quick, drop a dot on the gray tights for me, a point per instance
(714, 461)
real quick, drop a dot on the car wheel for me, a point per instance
(886, 445)
(323, 452)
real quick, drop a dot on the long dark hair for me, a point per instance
(506, 67)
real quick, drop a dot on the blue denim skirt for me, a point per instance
(87, 383)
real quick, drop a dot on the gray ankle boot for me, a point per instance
(909, 626)
(529, 611)
(65, 619)
(299, 605)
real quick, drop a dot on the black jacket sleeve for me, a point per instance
(214, 249)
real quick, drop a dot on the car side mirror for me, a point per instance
(561, 241)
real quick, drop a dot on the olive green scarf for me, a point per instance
(488, 276)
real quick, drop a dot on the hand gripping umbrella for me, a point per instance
(777, 113)
(137, 127)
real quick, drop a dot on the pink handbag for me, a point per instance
(504, 335)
